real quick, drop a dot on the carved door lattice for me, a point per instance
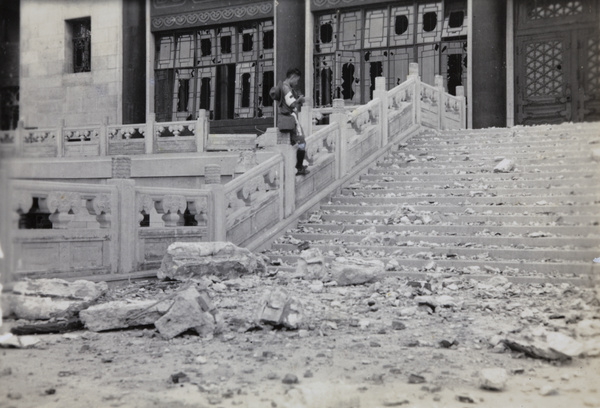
(543, 9)
(557, 61)
(543, 68)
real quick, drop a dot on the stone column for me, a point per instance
(460, 93)
(339, 116)
(288, 178)
(202, 130)
(125, 215)
(217, 216)
(439, 85)
(381, 93)
(413, 72)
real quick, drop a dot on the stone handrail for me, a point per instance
(84, 238)
(119, 227)
(254, 201)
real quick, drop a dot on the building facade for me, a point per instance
(521, 62)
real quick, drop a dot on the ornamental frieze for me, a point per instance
(194, 18)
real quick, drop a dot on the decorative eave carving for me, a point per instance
(224, 15)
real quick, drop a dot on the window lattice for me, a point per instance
(543, 9)
(543, 68)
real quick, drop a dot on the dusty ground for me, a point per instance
(359, 346)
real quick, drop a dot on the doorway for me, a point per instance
(557, 73)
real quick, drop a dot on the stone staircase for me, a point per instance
(435, 204)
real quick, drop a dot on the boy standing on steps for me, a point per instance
(290, 101)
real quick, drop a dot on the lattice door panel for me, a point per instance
(589, 96)
(543, 82)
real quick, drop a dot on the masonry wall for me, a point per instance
(49, 93)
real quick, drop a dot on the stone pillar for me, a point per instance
(202, 130)
(413, 72)
(60, 139)
(460, 93)
(439, 85)
(149, 133)
(339, 116)
(104, 136)
(217, 217)
(288, 178)
(125, 215)
(381, 93)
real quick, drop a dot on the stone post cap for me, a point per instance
(413, 68)
(380, 84)
(439, 81)
(212, 174)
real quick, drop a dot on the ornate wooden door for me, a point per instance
(557, 70)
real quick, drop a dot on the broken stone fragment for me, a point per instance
(277, 308)
(505, 166)
(59, 288)
(191, 310)
(356, 271)
(122, 314)
(311, 265)
(535, 349)
(39, 308)
(493, 379)
(185, 260)
(42, 299)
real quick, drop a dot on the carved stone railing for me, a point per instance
(83, 239)
(119, 226)
(254, 201)
(164, 215)
(126, 139)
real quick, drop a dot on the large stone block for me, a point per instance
(42, 299)
(356, 271)
(195, 259)
(122, 314)
(39, 308)
(81, 289)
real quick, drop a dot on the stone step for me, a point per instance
(468, 144)
(501, 241)
(448, 252)
(504, 267)
(444, 177)
(382, 189)
(538, 201)
(492, 155)
(481, 167)
(462, 218)
(464, 182)
(519, 231)
(482, 142)
(586, 211)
